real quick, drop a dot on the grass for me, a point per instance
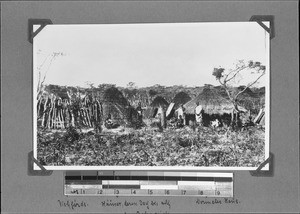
(203, 146)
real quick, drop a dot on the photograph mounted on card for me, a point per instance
(156, 96)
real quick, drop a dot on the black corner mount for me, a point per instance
(31, 171)
(265, 173)
(265, 18)
(41, 22)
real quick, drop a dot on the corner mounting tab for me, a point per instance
(41, 22)
(265, 18)
(31, 171)
(265, 173)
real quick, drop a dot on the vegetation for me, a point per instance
(204, 146)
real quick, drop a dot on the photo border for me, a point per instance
(164, 168)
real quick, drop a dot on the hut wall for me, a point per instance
(118, 113)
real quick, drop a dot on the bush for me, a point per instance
(71, 135)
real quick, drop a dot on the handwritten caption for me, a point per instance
(205, 201)
(145, 205)
(148, 204)
(72, 204)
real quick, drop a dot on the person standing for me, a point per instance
(198, 114)
(181, 114)
(163, 117)
(180, 122)
(139, 112)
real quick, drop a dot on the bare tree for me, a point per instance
(41, 69)
(228, 77)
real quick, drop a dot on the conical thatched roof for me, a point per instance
(212, 103)
(159, 101)
(113, 95)
(115, 104)
(181, 98)
(247, 93)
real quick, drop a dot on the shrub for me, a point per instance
(71, 134)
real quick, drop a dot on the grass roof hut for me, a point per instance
(181, 98)
(214, 105)
(159, 102)
(247, 93)
(212, 102)
(116, 105)
(158, 105)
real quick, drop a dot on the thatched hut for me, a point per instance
(159, 105)
(214, 106)
(117, 106)
(159, 101)
(179, 99)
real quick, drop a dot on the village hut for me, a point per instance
(214, 107)
(117, 106)
(148, 112)
(159, 104)
(248, 91)
(248, 99)
(179, 99)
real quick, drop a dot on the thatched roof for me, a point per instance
(149, 112)
(115, 104)
(113, 95)
(212, 103)
(159, 101)
(221, 91)
(261, 91)
(247, 93)
(181, 98)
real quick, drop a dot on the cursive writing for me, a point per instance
(216, 201)
(72, 204)
(148, 204)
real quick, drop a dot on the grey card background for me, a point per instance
(38, 194)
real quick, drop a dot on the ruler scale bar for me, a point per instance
(152, 183)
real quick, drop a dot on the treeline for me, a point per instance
(252, 99)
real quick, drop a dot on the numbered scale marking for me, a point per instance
(111, 183)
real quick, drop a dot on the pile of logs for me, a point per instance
(56, 113)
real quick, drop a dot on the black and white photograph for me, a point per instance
(151, 96)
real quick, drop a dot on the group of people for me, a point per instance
(181, 116)
(180, 120)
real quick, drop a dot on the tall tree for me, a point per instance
(228, 78)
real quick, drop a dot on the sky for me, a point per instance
(146, 54)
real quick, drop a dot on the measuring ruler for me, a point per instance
(150, 183)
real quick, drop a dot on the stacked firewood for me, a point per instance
(56, 113)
